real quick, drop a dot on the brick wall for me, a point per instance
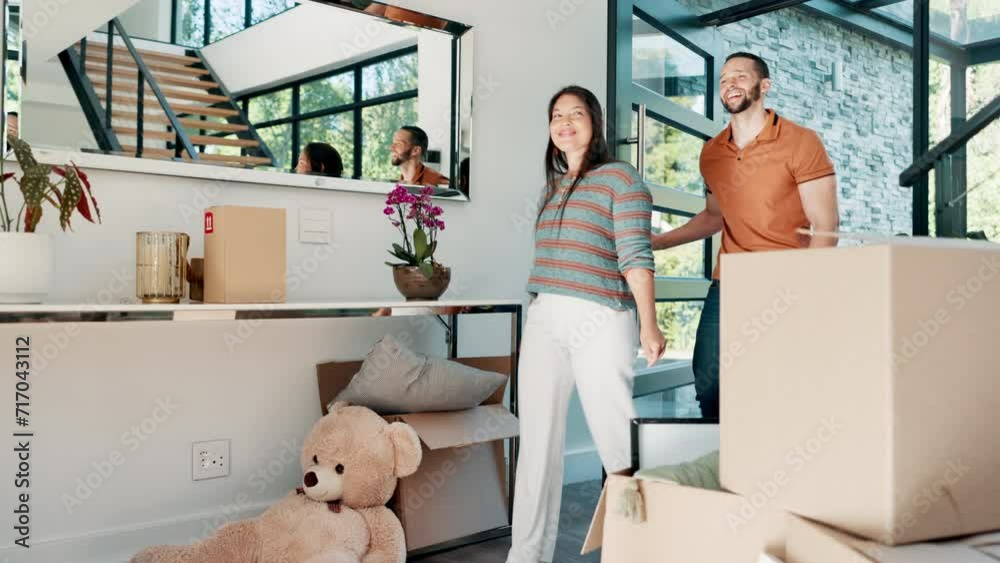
(865, 125)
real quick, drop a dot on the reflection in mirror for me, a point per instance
(335, 88)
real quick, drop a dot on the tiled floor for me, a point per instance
(579, 501)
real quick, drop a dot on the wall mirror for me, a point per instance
(341, 94)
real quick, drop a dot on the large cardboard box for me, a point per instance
(811, 542)
(245, 255)
(859, 386)
(683, 525)
(461, 487)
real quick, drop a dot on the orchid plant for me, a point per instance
(403, 208)
(37, 189)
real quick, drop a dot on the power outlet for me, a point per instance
(210, 459)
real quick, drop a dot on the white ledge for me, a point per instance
(220, 173)
(83, 312)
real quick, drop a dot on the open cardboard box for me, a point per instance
(461, 486)
(811, 542)
(684, 525)
(858, 386)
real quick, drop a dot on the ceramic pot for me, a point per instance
(410, 281)
(25, 267)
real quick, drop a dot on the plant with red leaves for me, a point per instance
(72, 193)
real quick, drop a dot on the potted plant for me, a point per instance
(26, 255)
(419, 276)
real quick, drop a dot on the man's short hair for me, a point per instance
(418, 136)
(758, 63)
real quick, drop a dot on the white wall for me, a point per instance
(148, 19)
(434, 85)
(50, 26)
(107, 378)
(306, 40)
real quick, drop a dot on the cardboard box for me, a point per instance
(858, 386)
(245, 255)
(683, 525)
(461, 487)
(811, 542)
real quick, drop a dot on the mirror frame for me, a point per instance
(385, 12)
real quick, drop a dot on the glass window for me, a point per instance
(337, 130)
(672, 156)
(983, 176)
(678, 320)
(389, 77)
(228, 17)
(966, 22)
(667, 67)
(191, 22)
(685, 261)
(12, 102)
(983, 182)
(940, 101)
(275, 105)
(378, 125)
(982, 82)
(336, 90)
(278, 139)
(260, 10)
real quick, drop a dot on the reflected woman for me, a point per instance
(320, 158)
(592, 281)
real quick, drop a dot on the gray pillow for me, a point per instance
(395, 380)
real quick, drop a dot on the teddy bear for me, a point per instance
(351, 461)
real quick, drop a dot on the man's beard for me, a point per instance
(748, 100)
(396, 161)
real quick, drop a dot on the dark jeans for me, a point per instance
(706, 355)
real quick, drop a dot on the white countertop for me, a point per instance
(56, 311)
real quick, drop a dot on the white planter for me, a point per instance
(25, 267)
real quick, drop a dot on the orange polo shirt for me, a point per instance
(758, 187)
(429, 177)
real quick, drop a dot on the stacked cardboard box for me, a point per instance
(857, 398)
(461, 487)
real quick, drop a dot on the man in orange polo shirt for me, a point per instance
(408, 148)
(766, 177)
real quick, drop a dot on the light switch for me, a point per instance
(314, 226)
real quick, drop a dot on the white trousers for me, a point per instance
(567, 341)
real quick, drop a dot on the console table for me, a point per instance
(198, 312)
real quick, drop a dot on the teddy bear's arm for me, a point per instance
(387, 544)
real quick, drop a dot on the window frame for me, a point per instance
(355, 107)
(206, 6)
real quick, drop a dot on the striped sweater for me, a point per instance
(605, 231)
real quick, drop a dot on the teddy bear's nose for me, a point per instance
(310, 479)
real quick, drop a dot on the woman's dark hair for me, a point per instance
(598, 152)
(324, 159)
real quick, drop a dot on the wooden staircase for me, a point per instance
(214, 123)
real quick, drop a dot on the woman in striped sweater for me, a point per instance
(592, 276)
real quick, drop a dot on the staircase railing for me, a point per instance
(262, 149)
(76, 68)
(949, 197)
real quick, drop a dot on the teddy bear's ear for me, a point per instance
(336, 406)
(406, 446)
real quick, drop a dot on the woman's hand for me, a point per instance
(653, 344)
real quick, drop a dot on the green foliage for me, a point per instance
(37, 188)
(378, 122)
(227, 18)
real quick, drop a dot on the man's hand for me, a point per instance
(653, 344)
(699, 227)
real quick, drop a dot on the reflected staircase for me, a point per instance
(162, 105)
